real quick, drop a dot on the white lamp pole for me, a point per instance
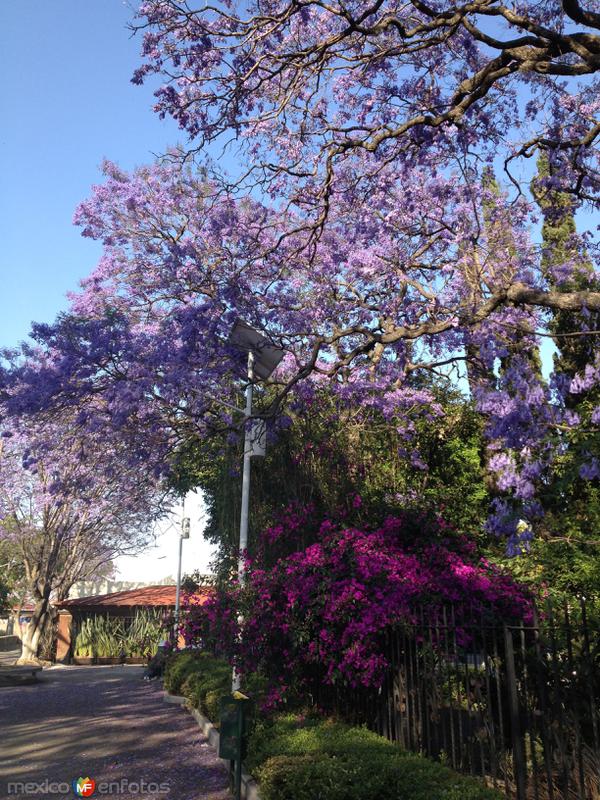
(246, 472)
(263, 357)
(185, 534)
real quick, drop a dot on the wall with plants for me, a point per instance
(103, 636)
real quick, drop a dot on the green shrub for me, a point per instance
(290, 735)
(201, 678)
(305, 777)
(382, 777)
(316, 759)
(178, 667)
(256, 687)
(191, 689)
(217, 683)
(311, 758)
(212, 703)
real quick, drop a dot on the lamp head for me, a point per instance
(266, 354)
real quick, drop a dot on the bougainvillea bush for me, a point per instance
(319, 614)
(211, 622)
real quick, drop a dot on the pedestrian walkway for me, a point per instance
(107, 724)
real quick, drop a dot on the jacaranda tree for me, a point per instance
(69, 504)
(361, 232)
(354, 113)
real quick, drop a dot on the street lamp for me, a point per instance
(185, 534)
(263, 357)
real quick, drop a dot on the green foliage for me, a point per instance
(145, 633)
(565, 554)
(328, 457)
(560, 246)
(211, 702)
(323, 760)
(201, 678)
(12, 577)
(83, 646)
(567, 563)
(179, 666)
(109, 637)
(4, 595)
(308, 758)
(204, 679)
(291, 735)
(100, 637)
(204, 687)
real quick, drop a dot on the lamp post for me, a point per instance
(243, 543)
(185, 534)
(263, 357)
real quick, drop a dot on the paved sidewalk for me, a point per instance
(108, 724)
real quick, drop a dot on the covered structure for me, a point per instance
(124, 604)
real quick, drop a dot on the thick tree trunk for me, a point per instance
(33, 632)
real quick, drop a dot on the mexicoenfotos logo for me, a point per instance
(84, 787)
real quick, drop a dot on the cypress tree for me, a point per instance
(560, 246)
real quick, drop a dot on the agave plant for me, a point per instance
(101, 637)
(109, 637)
(83, 646)
(144, 633)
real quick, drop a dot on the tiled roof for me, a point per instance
(144, 596)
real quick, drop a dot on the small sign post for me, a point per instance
(233, 734)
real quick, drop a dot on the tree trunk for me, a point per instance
(32, 634)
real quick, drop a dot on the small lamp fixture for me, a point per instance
(185, 528)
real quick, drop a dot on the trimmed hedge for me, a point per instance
(201, 678)
(310, 758)
(393, 777)
(204, 679)
(178, 667)
(293, 735)
(316, 759)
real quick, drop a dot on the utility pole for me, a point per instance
(246, 472)
(184, 534)
(263, 357)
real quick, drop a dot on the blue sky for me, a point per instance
(65, 69)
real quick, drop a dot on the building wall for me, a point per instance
(70, 619)
(106, 586)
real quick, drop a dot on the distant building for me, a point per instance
(125, 603)
(108, 586)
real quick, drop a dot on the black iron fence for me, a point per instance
(517, 704)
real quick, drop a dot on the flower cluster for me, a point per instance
(320, 614)
(210, 620)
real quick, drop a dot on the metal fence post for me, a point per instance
(518, 749)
